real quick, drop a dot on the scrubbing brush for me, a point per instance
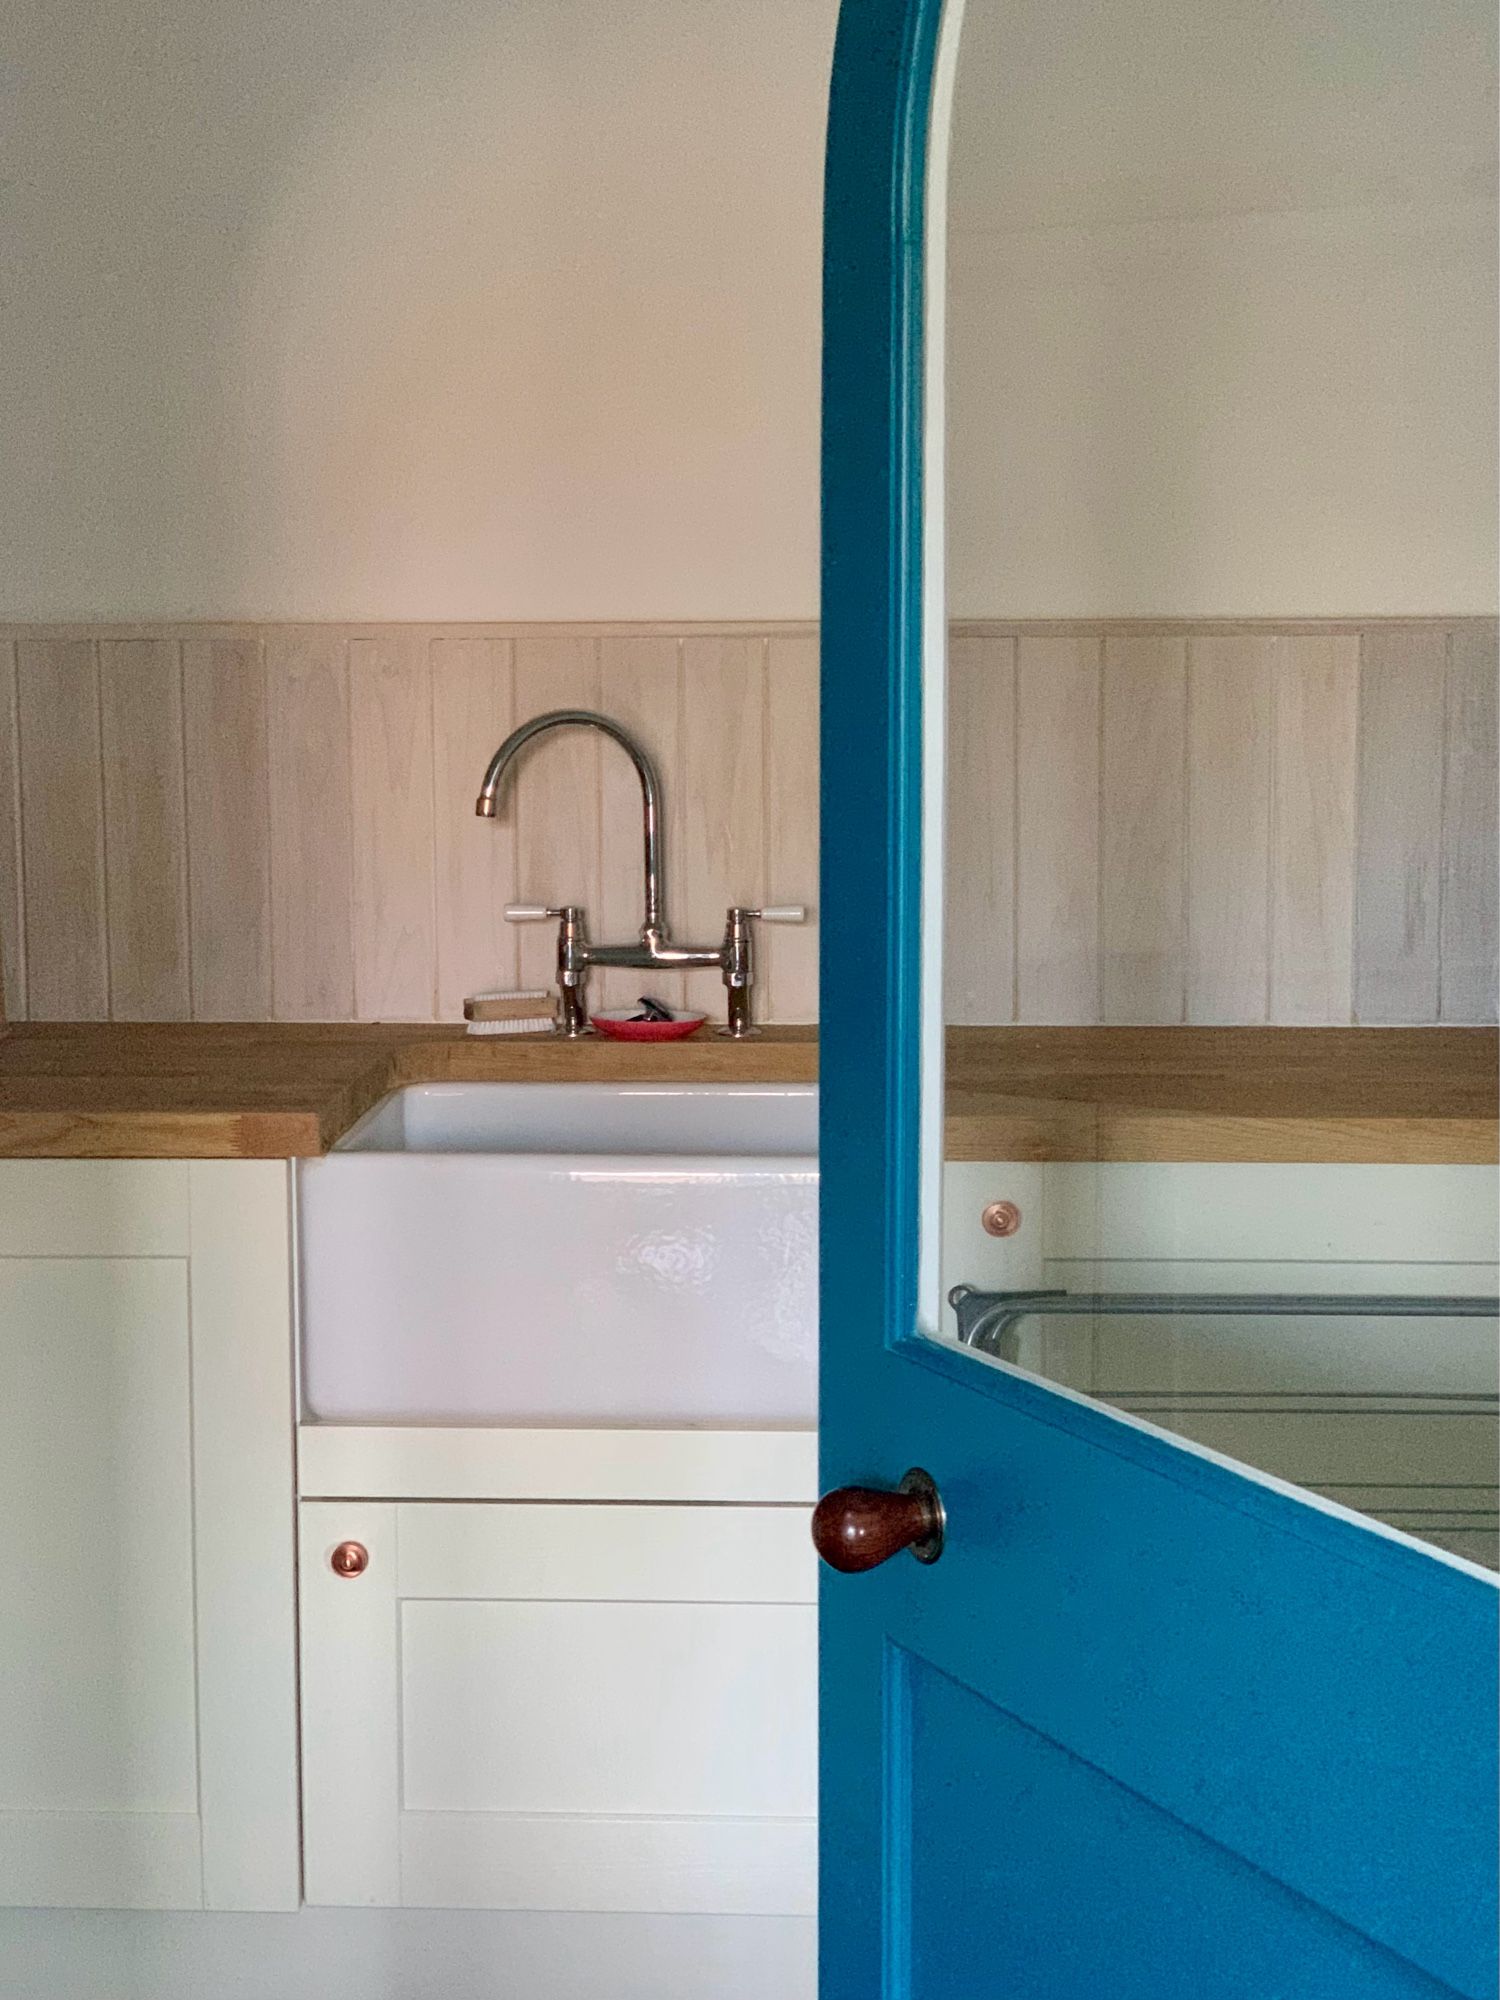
(529, 1012)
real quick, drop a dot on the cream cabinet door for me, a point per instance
(147, 1663)
(560, 1707)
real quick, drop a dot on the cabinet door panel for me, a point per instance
(93, 1208)
(560, 1707)
(147, 1646)
(608, 1708)
(96, 1574)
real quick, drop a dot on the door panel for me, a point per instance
(1093, 1889)
(1154, 1721)
(1290, 1685)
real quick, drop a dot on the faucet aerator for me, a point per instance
(485, 807)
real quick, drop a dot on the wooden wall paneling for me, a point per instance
(391, 789)
(1469, 938)
(225, 729)
(12, 885)
(554, 794)
(979, 970)
(62, 828)
(312, 936)
(723, 682)
(473, 710)
(1057, 830)
(787, 967)
(325, 859)
(145, 829)
(1228, 829)
(1399, 824)
(1314, 751)
(640, 682)
(1142, 820)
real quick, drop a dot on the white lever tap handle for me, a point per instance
(529, 913)
(782, 913)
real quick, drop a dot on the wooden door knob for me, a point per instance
(858, 1527)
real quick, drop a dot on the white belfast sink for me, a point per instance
(568, 1254)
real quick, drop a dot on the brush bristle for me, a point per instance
(540, 1024)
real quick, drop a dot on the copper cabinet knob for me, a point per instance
(349, 1559)
(857, 1527)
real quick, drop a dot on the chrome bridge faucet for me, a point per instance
(735, 957)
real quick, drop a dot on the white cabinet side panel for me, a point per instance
(240, 1280)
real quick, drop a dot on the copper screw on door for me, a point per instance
(349, 1559)
(1001, 1218)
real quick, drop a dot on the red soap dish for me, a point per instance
(616, 1022)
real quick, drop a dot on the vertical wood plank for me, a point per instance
(979, 968)
(787, 961)
(1469, 859)
(1312, 830)
(12, 886)
(145, 829)
(1057, 830)
(390, 735)
(1399, 824)
(473, 710)
(553, 794)
(1229, 829)
(312, 939)
(639, 687)
(228, 826)
(723, 684)
(62, 827)
(1142, 822)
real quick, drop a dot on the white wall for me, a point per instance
(350, 308)
(1254, 415)
(509, 308)
(1223, 303)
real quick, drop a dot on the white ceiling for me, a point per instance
(1077, 112)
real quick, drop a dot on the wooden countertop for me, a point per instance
(275, 1091)
(1423, 1095)
(1416, 1095)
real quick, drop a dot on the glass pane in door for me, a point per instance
(1219, 696)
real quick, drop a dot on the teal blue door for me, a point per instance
(1149, 1725)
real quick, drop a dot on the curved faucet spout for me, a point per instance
(486, 805)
